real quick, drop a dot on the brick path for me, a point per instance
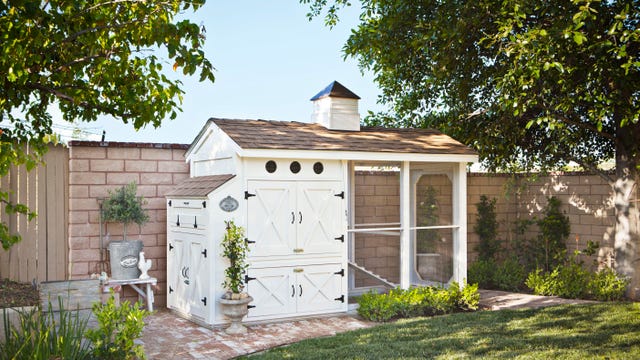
(167, 336)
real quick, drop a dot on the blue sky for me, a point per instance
(270, 61)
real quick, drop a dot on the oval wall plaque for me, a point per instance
(228, 204)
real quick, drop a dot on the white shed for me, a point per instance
(294, 187)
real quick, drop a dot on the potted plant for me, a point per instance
(234, 302)
(124, 206)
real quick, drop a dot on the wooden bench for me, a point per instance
(146, 295)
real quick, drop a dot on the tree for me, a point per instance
(530, 84)
(88, 58)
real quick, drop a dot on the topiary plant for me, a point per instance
(123, 205)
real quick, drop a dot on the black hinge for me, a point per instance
(204, 204)
(341, 272)
(341, 238)
(204, 301)
(170, 289)
(341, 195)
(204, 252)
(341, 298)
(247, 195)
(247, 278)
(246, 240)
(250, 306)
(169, 202)
(178, 221)
(170, 247)
(195, 222)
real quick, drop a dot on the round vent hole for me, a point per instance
(318, 168)
(271, 166)
(295, 167)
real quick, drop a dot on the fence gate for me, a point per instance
(42, 255)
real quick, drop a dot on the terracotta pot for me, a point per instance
(235, 310)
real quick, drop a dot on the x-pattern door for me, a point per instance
(271, 217)
(321, 217)
(320, 286)
(272, 290)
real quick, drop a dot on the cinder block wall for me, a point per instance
(94, 169)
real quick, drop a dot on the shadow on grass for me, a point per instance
(569, 331)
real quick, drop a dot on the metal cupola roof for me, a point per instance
(335, 89)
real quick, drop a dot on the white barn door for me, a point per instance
(321, 217)
(270, 218)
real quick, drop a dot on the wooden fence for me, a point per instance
(42, 255)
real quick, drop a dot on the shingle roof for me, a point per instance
(284, 135)
(199, 185)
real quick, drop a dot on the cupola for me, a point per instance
(336, 108)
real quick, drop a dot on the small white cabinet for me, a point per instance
(188, 258)
(296, 290)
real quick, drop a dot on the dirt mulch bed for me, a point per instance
(15, 294)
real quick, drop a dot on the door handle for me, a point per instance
(300, 213)
(293, 217)
(293, 290)
(300, 290)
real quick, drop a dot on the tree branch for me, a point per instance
(84, 104)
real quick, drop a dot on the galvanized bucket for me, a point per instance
(124, 259)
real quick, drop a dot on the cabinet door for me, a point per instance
(273, 291)
(196, 293)
(270, 218)
(321, 217)
(320, 288)
(186, 274)
(174, 259)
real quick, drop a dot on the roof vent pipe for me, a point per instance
(336, 108)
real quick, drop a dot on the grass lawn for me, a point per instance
(604, 331)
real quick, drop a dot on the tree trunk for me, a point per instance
(627, 232)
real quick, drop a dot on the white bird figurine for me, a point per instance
(144, 266)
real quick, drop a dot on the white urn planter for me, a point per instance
(235, 310)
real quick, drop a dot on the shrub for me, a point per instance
(377, 307)
(509, 275)
(573, 281)
(481, 272)
(118, 328)
(418, 301)
(45, 335)
(607, 285)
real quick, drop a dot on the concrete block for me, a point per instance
(76, 165)
(123, 153)
(78, 191)
(173, 167)
(86, 152)
(156, 178)
(141, 165)
(178, 154)
(122, 178)
(86, 178)
(78, 217)
(83, 204)
(84, 255)
(107, 165)
(179, 177)
(156, 154)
